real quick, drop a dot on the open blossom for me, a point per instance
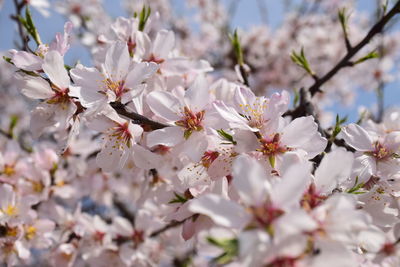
(57, 108)
(120, 79)
(376, 152)
(165, 163)
(119, 137)
(186, 115)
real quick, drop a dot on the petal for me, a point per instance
(232, 116)
(146, 159)
(163, 44)
(111, 157)
(356, 137)
(139, 73)
(334, 168)
(223, 212)
(288, 192)
(249, 179)
(88, 83)
(168, 136)
(117, 61)
(27, 61)
(165, 105)
(197, 96)
(35, 87)
(303, 133)
(53, 66)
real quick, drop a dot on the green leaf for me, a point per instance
(226, 136)
(237, 48)
(301, 60)
(8, 60)
(370, 55)
(178, 199)
(143, 17)
(229, 246)
(356, 187)
(13, 122)
(30, 26)
(337, 128)
(344, 19)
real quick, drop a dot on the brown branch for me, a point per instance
(22, 34)
(167, 227)
(137, 118)
(345, 61)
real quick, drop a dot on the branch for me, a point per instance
(136, 118)
(345, 61)
(165, 228)
(24, 37)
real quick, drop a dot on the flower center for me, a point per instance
(30, 232)
(117, 87)
(272, 147)
(209, 157)
(191, 121)
(9, 170)
(60, 96)
(255, 113)
(10, 210)
(122, 135)
(380, 152)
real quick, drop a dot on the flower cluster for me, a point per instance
(152, 157)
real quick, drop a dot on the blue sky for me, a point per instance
(247, 14)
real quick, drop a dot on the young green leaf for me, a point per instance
(301, 60)
(143, 17)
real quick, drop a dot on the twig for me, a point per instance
(22, 34)
(125, 212)
(165, 228)
(345, 61)
(137, 118)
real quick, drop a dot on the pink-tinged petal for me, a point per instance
(332, 254)
(288, 192)
(132, 94)
(53, 66)
(179, 66)
(303, 133)
(88, 83)
(357, 137)
(197, 96)
(117, 61)
(135, 130)
(293, 223)
(27, 61)
(169, 136)
(163, 44)
(193, 175)
(34, 87)
(164, 105)
(146, 159)
(42, 117)
(277, 105)
(139, 73)
(233, 118)
(392, 141)
(188, 229)
(143, 46)
(62, 42)
(249, 179)
(221, 211)
(243, 97)
(335, 167)
(195, 146)
(112, 157)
